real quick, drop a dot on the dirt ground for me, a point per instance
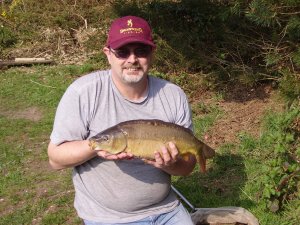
(243, 110)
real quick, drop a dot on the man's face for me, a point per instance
(131, 62)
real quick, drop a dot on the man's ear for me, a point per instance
(107, 53)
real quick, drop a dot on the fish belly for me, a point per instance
(144, 148)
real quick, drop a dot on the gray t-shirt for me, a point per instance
(125, 190)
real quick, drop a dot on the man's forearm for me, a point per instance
(69, 154)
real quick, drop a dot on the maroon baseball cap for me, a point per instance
(127, 30)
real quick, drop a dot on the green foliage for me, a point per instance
(296, 57)
(290, 87)
(278, 148)
(204, 117)
(248, 144)
(272, 58)
(277, 24)
(293, 212)
(199, 21)
(292, 3)
(262, 13)
(293, 28)
(248, 41)
(9, 9)
(68, 20)
(280, 182)
(7, 37)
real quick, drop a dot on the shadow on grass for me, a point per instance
(221, 186)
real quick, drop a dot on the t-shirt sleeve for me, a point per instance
(184, 114)
(70, 121)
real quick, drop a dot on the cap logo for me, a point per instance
(131, 29)
(129, 23)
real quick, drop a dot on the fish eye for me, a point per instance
(105, 138)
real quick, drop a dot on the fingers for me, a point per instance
(109, 156)
(125, 155)
(166, 157)
(174, 151)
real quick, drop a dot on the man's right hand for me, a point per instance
(106, 155)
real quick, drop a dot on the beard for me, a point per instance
(133, 77)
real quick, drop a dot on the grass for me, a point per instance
(204, 116)
(28, 187)
(31, 193)
(237, 174)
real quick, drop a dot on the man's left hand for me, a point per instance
(166, 158)
(170, 161)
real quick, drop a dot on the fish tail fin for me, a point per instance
(201, 159)
(202, 163)
(204, 152)
(208, 152)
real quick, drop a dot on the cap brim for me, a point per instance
(128, 40)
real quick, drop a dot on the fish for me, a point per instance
(143, 137)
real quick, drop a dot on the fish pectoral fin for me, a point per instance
(186, 156)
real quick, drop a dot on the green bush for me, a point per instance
(290, 87)
(278, 149)
(7, 37)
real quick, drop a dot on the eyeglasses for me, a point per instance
(124, 53)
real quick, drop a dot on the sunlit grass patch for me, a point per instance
(204, 116)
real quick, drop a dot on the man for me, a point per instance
(120, 189)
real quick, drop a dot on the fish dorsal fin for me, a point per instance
(155, 122)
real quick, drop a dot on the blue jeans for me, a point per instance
(179, 216)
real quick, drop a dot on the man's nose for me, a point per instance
(132, 57)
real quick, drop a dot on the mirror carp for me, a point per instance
(143, 137)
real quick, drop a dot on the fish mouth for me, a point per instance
(93, 145)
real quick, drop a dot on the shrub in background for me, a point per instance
(229, 41)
